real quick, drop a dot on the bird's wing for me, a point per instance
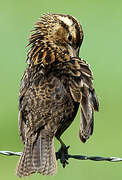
(24, 85)
(82, 91)
(41, 104)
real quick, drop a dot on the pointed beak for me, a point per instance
(74, 52)
(77, 52)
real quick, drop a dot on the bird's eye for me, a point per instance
(70, 37)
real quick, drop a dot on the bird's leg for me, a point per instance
(62, 153)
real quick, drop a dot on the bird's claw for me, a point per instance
(62, 154)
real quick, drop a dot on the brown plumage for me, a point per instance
(56, 81)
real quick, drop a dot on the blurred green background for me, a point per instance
(102, 48)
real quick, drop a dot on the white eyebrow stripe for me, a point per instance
(66, 20)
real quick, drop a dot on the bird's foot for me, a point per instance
(62, 154)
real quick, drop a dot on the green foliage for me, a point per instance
(102, 25)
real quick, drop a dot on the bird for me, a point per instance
(55, 84)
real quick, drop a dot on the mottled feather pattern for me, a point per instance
(82, 91)
(55, 83)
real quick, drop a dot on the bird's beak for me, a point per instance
(74, 52)
(77, 52)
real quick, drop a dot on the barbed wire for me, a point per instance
(10, 153)
(79, 157)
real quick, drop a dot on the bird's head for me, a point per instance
(55, 37)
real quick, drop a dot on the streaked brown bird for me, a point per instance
(55, 83)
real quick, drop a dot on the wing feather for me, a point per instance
(82, 91)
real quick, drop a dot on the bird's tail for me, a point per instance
(39, 157)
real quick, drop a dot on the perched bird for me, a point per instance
(55, 83)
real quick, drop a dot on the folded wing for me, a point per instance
(82, 91)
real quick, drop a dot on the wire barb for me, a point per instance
(79, 157)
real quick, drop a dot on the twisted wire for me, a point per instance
(79, 157)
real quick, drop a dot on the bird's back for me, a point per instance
(46, 101)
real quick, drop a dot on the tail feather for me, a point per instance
(49, 167)
(52, 162)
(25, 167)
(39, 157)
